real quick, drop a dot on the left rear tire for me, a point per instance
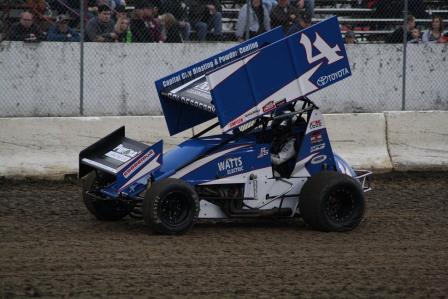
(102, 209)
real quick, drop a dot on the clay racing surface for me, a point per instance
(51, 247)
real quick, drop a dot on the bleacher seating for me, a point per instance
(366, 25)
(359, 19)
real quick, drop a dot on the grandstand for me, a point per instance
(367, 25)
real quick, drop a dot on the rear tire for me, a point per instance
(171, 207)
(104, 210)
(332, 202)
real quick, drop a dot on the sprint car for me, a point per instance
(252, 89)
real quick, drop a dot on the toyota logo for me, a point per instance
(322, 81)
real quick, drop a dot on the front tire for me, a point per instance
(171, 207)
(332, 202)
(102, 209)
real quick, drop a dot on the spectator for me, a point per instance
(416, 36)
(122, 31)
(72, 8)
(300, 23)
(299, 4)
(100, 28)
(307, 5)
(283, 15)
(179, 9)
(206, 16)
(40, 9)
(172, 28)
(25, 29)
(145, 28)
(397, 36)
(259, 20)
(350, 37)
(61, 32)
(120, 12)
(309, 8)
(435, 32)
(269, 4)
(112, 4)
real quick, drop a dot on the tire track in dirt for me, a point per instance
(51, 247)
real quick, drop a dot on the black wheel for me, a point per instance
(102, 209)
(171, 206)
(332, 202)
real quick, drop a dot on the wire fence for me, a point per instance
(54, 64)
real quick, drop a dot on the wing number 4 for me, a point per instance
(325, 50)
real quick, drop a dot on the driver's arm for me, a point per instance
(287, 152)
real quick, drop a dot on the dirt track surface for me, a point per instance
(51, 247)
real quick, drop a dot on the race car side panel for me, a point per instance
(316, 148)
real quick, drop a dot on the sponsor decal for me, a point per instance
(235, 122)
(247, 48)
(138, 163)
(269, 106)
(316, 138)
(263, 152)
(316, 124)
(318, 159)
(122, 153)
(231, 165)
(251, 113)
(191, 102)
(324, 80)
(281, 102)
(202, 87)
(317, 147)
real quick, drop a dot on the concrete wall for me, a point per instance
(42, 79)
(49, 146)
(418, 139)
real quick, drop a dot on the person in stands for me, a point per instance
(122, 30)
(145, 27)
(284, 15)
(259, 20)
(171, 28)
(25, 29)
(435, 32)
(206, 18)
(101, 28)
(350, 37)
(397, 36)
(416, 36)
(61, 32)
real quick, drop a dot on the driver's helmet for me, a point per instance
(283, 125)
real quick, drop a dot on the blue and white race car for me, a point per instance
(272, 157)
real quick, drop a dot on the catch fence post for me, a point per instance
(81, 66)
(405, 42)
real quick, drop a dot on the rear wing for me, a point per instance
(126, 159)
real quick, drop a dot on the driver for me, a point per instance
(284, 145)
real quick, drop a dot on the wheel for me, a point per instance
(332, 202)
(171, 206)
(104, 210)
